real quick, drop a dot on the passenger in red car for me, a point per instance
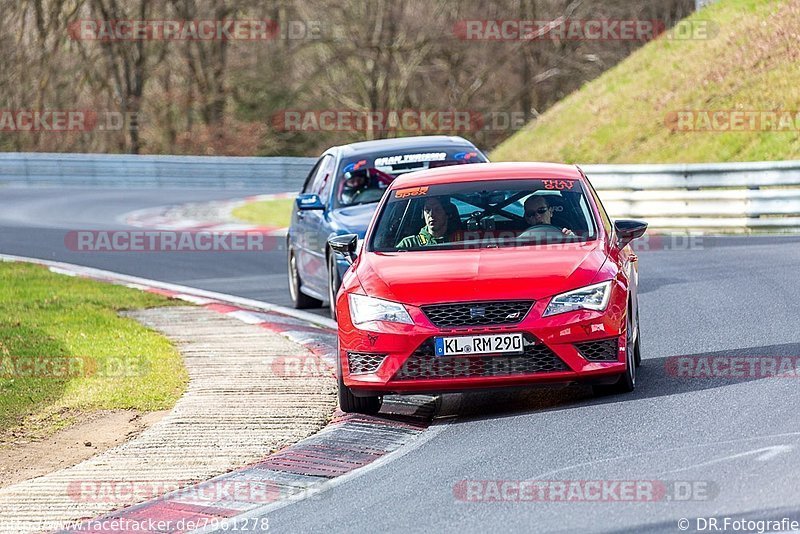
(539, 211)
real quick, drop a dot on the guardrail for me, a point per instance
(749, 196)
(276, 174)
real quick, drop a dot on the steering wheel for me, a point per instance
(541, 232)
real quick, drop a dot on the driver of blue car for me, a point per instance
(354, 185)
(539, 211)
(363, 186)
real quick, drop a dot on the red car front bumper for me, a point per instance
(580, 346)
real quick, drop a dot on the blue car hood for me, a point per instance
(353, 219)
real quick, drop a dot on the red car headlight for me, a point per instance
(364, 309)
(594, 297)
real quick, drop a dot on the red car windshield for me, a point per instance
(497, 213)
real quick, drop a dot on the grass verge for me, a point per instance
(274, 213)
(65, 351)
(749, 62)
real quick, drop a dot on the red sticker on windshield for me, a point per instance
(560, 185)
(412, 192)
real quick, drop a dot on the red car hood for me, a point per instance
(428, 277)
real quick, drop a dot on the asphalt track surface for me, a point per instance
(35, 222)
(734, 441)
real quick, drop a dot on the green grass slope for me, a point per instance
(750, 62)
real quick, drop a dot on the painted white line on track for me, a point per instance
(192, 291)
(65, 272)
(760, 455)
(246, 317)
(795, 435)
(200, 301)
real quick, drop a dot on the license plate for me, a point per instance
(466, 345)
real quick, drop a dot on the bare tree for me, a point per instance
(218, 96)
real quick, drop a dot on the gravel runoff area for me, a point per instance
(238, 408)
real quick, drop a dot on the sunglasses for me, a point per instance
(540, 211)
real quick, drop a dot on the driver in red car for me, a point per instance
(439, 226)
(539, 211)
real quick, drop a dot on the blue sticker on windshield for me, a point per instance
(355, 166)
(466, 156)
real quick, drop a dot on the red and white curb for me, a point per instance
(212, 216)
(350, 445)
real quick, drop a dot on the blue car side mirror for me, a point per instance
(309, 201)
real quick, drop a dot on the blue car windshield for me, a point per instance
(363, 179)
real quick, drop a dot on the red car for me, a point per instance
(490, 275)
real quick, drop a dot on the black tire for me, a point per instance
(637, 351)
(627, 380)
(300, 300)
(334, 282)
(351, 404)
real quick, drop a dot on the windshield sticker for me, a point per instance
(410, 158)
(560, 185)
(355, 166)
(412, 192)
(465, 156)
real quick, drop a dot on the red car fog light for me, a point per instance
(603, 350)
(364, 362)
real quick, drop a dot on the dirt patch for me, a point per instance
(25, 458)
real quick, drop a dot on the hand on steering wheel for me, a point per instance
(545, 229)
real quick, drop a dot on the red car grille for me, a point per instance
(477, 313)
(537, 358)
(604, 350)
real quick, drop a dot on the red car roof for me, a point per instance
(486, 171)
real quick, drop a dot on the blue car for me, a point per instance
(339, 197)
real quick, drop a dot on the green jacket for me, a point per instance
(422, 239)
